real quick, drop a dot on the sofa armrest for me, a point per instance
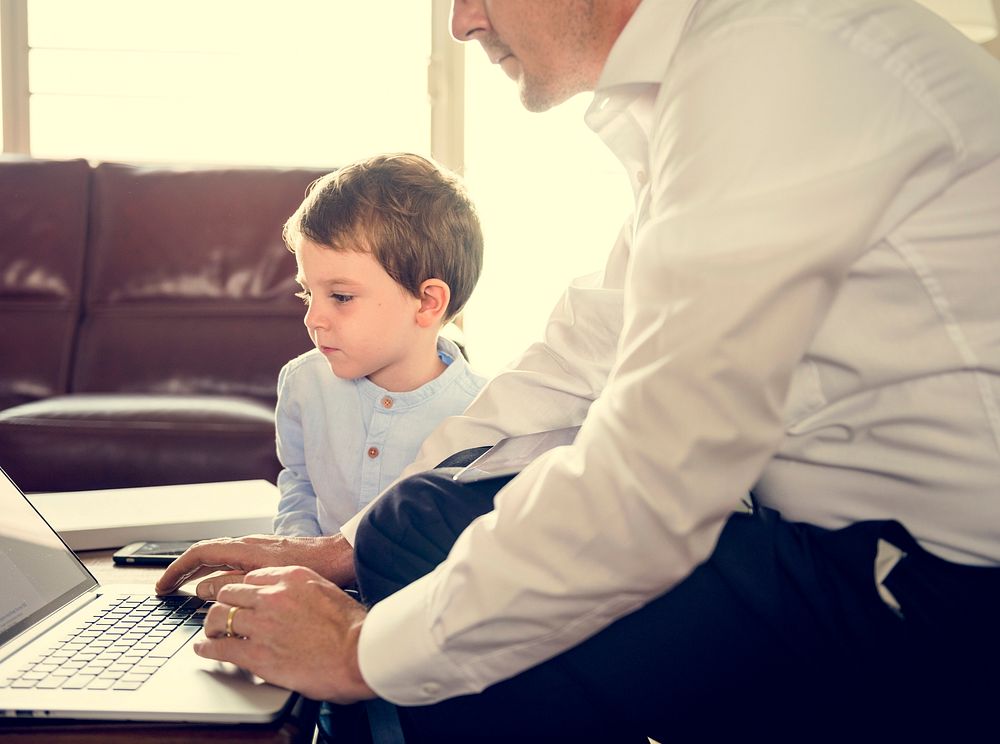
(84, 442)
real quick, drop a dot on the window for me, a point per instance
(318, 83)
(228, 81)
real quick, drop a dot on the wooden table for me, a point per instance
(296, 727)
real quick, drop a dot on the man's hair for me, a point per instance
(416, 220)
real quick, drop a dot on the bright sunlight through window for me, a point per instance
(552, 199)
(317, 83)
(228, 81)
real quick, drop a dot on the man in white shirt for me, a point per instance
(802, 306)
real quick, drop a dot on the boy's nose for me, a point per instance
(468, 18)
(314, 319)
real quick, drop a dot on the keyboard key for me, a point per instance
(169, 645)
(79, 681)
(50, 683)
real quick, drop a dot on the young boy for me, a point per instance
(388, 250)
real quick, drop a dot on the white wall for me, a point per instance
(993, 47)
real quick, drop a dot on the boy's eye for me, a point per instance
(341, 298)
(304, 296)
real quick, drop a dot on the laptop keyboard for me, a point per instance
(117, 648)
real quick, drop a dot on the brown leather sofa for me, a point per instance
(145, 313)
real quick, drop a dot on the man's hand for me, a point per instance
(293, 628)
(331, 557)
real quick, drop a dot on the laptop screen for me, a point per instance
(38, 573)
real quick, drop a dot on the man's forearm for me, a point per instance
(338, 561)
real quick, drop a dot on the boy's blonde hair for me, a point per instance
(414, 218)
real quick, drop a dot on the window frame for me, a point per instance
(14, 76)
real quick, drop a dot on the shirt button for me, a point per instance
(430, 688)
(641, 176)
(373, 452)
(387, 402)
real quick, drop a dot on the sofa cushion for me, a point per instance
(43, 230)
(189, 286)
(83, 442)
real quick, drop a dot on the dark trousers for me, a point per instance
(780, 634)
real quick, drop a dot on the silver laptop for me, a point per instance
(70, 648)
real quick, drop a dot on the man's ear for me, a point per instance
(434, 298)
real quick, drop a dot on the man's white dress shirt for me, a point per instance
(806, 304)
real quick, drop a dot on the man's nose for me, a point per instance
(468, 18)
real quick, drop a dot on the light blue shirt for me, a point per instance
(341, 442)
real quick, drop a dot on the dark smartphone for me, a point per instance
(151, 553)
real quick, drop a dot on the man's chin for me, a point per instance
(534, 105)
(538, 100)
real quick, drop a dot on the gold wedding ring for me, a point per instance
(229, 621)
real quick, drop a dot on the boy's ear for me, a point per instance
(434, 298)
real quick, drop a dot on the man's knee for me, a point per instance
(411, 529)
(413, 507)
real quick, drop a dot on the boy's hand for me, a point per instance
(331, 557)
